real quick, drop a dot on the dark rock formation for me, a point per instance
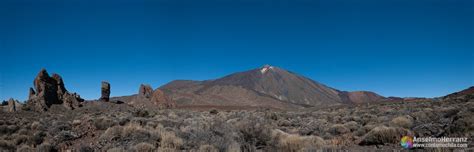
(145, 91)
(13, 105)
(161, 99)
(31, 93)
(146, 95)
(49, 91)
(105, 91)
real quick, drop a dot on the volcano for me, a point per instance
(267, 86)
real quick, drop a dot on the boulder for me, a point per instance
(105, 91)
(51, 90)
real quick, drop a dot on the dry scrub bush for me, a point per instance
(25, 148)
(256, 133)
(208, 148)
(111, 133)
(293, 143)
(135, 130)
(35, 125)
(104, 123)
(162, 149)
(169, 140)
(144, 147)
(352, 125)
(402, 121)
(45, 147)
(384, 135)
(116, 149)
(233, 147)
(5, 145)
(129, 135)
(338, 129)
(19, 139)
(8, 129)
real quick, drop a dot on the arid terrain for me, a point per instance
(54, 119)
(107, 126)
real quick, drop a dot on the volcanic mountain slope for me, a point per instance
(266, 86)
(466, 92)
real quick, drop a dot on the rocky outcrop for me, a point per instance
(51, 90)
(13, 105)
(146, 96)
(105, 91)
(145, 91)
(161, 99)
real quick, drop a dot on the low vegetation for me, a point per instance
(102, 126)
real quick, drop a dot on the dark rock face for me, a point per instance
(105, 91)
(49, 91)
(161, 99)
(31, 93)
(13, 105)
(145, 91)
(146, 95)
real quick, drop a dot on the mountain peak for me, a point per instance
(265, 68)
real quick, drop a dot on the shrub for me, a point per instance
(104, 123)
(45, 147)
(111, 133)
(367, 118)
(141, 113)
(85, 149)
(59, 126)
(76, 122)
(8, 129)
(144, 147)
(207, 148)
(338, 129)
(255, 133)
(293, 143)
(384, 135)
(65, 136)
(20, 139)
(233, 147)
(213, 111)
(402, 121)
(35, 125)
(6, 145)
(169, 140)
(25, 148)
(37, 138)
(116, 149)
(352, 126)
(135, 132)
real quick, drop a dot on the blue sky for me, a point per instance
(392, 47)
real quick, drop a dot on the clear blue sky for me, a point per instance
(393, 47)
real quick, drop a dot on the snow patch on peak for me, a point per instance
(266, 68)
